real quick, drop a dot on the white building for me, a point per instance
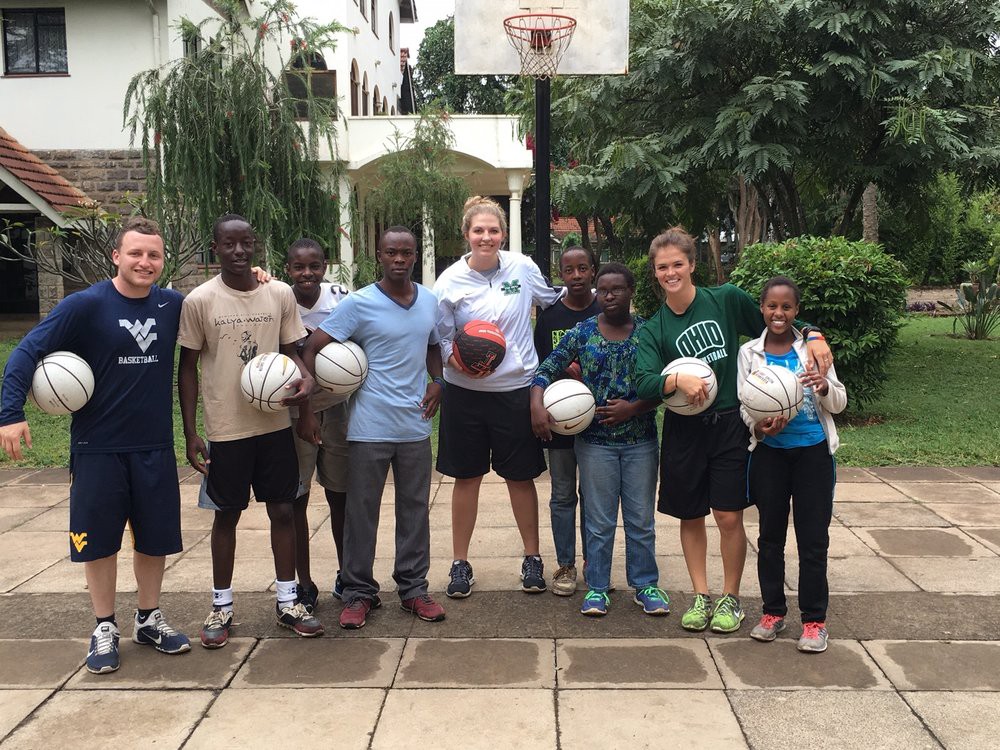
(67, 64)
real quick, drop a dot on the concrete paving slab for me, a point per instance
(703, 718)
(488, 542)
(674, 576)
(53, 519)
(989, 537)
(959, 720)
(66, 577)
(11, 518)
(968, 514)
(747, 664)
(948, 492)
(868, 492)
(53, 475)
(634, 663)
(843, 543)
(145, 668)
(32, 496)
(15, 705)
(914, 474)
(477, 663)
(837, 720)
(939, 665)
(35, 663)
(979, 473)
(195, 574)
(908, 514)
(919, 614)
(952, 575)
(345, 718)
(850, 474)
(852, 574)
(321, 662)
(489, 516)
(519, 719)
(112, 718)
(922, 542)
(995, 486)
(12, 475)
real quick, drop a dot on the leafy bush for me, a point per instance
(853, 291)
(978, 303)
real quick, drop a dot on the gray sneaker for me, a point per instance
(814, 637)
(768, 628)
(564, 581)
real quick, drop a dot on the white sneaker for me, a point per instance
(564, 581)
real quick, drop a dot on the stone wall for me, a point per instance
(104, 175)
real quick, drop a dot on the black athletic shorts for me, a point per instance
(703, 464)
(111, 488)
(266, 463)
(478, 425)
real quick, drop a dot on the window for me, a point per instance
(192, 45)
(364, 8)
(34, 41)
(376, 102)
(374, 17)
(355, 88)
(365, 100)
(392, 34)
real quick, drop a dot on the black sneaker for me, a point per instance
(460, 585)
(308, 596)
(532, 578)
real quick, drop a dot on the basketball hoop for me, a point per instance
(540, 40)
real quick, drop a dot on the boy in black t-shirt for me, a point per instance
(577, 267)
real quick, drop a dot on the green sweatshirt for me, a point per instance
(709, 329)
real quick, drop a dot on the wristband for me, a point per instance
(815, 335)
(439, 381)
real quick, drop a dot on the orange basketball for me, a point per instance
(480, 346)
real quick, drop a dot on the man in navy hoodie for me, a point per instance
(121, 443)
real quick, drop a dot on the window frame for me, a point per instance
(35, 13)
(374, 18)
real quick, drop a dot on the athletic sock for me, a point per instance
(223, 599)
(287, 593)
(110, 618)
(141, 615)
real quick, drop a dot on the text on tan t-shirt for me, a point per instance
(230, 328)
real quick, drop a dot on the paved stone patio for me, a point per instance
(914, 658)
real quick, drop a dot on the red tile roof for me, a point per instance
(39, 176)
(566, 224)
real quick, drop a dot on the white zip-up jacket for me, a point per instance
(505, 300)
(752, 356)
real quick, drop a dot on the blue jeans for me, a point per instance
(562, 506)
(625, 473)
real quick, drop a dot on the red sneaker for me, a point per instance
(353, 615)
(423, 607)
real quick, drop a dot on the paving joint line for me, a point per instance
(385, 693)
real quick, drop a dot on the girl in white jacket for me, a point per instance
(792, 459)
(486, 418)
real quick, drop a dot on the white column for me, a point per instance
(346, 245)
(515, 183)
(428, 253)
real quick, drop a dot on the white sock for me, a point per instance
(223, 599)
(287, 593)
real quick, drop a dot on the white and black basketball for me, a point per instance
(264, 378)
(63, 383)
(771, 391)
(571, 404)
(677, 402)
(341, 367)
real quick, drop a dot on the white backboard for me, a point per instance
(599, 45)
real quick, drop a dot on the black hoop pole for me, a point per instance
(543, 201)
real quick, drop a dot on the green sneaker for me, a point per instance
(696, 618)
(727, 616)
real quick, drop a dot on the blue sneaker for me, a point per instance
(653, 600)
(532, 575)
(103, 655)
(338, 588)
(156, 632)
(595, 604)
(461, 579)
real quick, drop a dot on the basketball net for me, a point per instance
(540, 39)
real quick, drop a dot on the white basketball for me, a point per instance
(341, 367)
(677, 402)
(571, 405)
(63, 383)
(264, 378)
(771, 391)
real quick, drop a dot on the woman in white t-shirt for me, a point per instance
(486, 418)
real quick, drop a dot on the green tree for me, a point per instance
(438, 84)
(220, 130)
(776, 114)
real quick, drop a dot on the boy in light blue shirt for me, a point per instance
(394, 321)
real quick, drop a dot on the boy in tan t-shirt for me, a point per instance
(225, 323)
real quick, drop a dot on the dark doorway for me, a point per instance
(18, 278)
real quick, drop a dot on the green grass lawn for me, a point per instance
(941, 406)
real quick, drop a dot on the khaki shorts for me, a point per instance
(329, 459)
